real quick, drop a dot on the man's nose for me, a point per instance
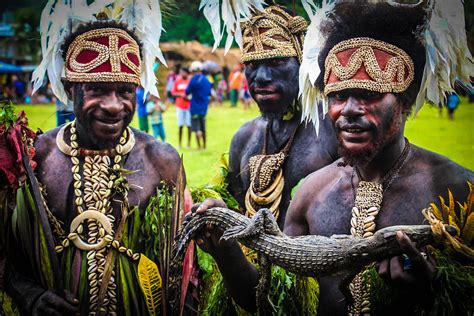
(112, 103)
(263, 75)
(352, 108)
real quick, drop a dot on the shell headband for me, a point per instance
(273, 33)
(103, 55)
(366, 63)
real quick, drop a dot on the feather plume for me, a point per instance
(231, 12)
(447, 56)
(58, 19)
(143, 17)
(61, 17)
(310, 95)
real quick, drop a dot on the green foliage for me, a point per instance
(213, 297)
(289, 294)
(7, 114)
(154, 225)
(293, 295)
(7, 305)
(454, 286)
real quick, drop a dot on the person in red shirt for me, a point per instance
(182, 103)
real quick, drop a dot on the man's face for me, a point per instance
(273, 83)
(365, 122)
(104, 109)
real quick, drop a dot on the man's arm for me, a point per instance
(296, 223)
(190, 87)
(240, 276)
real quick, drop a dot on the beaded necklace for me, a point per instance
(367, 202)
(266, 177)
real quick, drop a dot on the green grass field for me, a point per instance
(454, 139)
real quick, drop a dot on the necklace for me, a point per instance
(367, 202)
(92, 198)
(67, 149)
(266, 177)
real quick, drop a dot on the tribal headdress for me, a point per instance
(273, 33)
(419, 58)
(102, 53)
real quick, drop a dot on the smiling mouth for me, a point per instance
(354, 130)
(108, 121)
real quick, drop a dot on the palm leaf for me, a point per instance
(452, 209)
(470, 199)
(436, 211)
(468, 231)
(150, 282)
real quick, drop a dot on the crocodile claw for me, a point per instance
(237, 232)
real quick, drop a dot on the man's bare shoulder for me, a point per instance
(245, 132)
(161, 155)
(45, 142)
(444, 169)
(441, 172)
(326, 176)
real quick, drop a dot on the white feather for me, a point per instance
(447, 56)
(309, 70)
(231, 12)
(61, 17)
(143, 17)
(58, 19)
(210, 9)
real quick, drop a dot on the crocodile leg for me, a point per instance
(262, 222)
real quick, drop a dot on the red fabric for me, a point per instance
(343, 57)
(86, 56)
(179, 86)
(12, 148)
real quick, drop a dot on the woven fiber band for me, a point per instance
(273, 33)
(103, 55)
(366, 63)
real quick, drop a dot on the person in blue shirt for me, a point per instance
(200, 90)
(141, 110)
(453, 102)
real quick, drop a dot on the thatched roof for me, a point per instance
(186, 52)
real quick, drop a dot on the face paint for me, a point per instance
(365, 123)
(273, 84)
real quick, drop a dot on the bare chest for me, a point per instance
(56, 175)
(401, 205)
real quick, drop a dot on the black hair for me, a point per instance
(399, 26)
(96, 25)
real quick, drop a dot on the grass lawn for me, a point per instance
(454, 139)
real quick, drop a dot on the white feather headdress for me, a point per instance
(232, 12)
(61, 17)
(447, 54)
(309, 68)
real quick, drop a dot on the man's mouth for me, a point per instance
(352, 128)
(266, 94)
(109, 123)
(264, 91)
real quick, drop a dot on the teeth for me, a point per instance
(354, 130)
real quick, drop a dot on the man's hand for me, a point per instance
(413, 273)
(208, 238)
(51, 304)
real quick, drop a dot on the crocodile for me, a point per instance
(311, 255)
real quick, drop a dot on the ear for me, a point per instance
(67, 87)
